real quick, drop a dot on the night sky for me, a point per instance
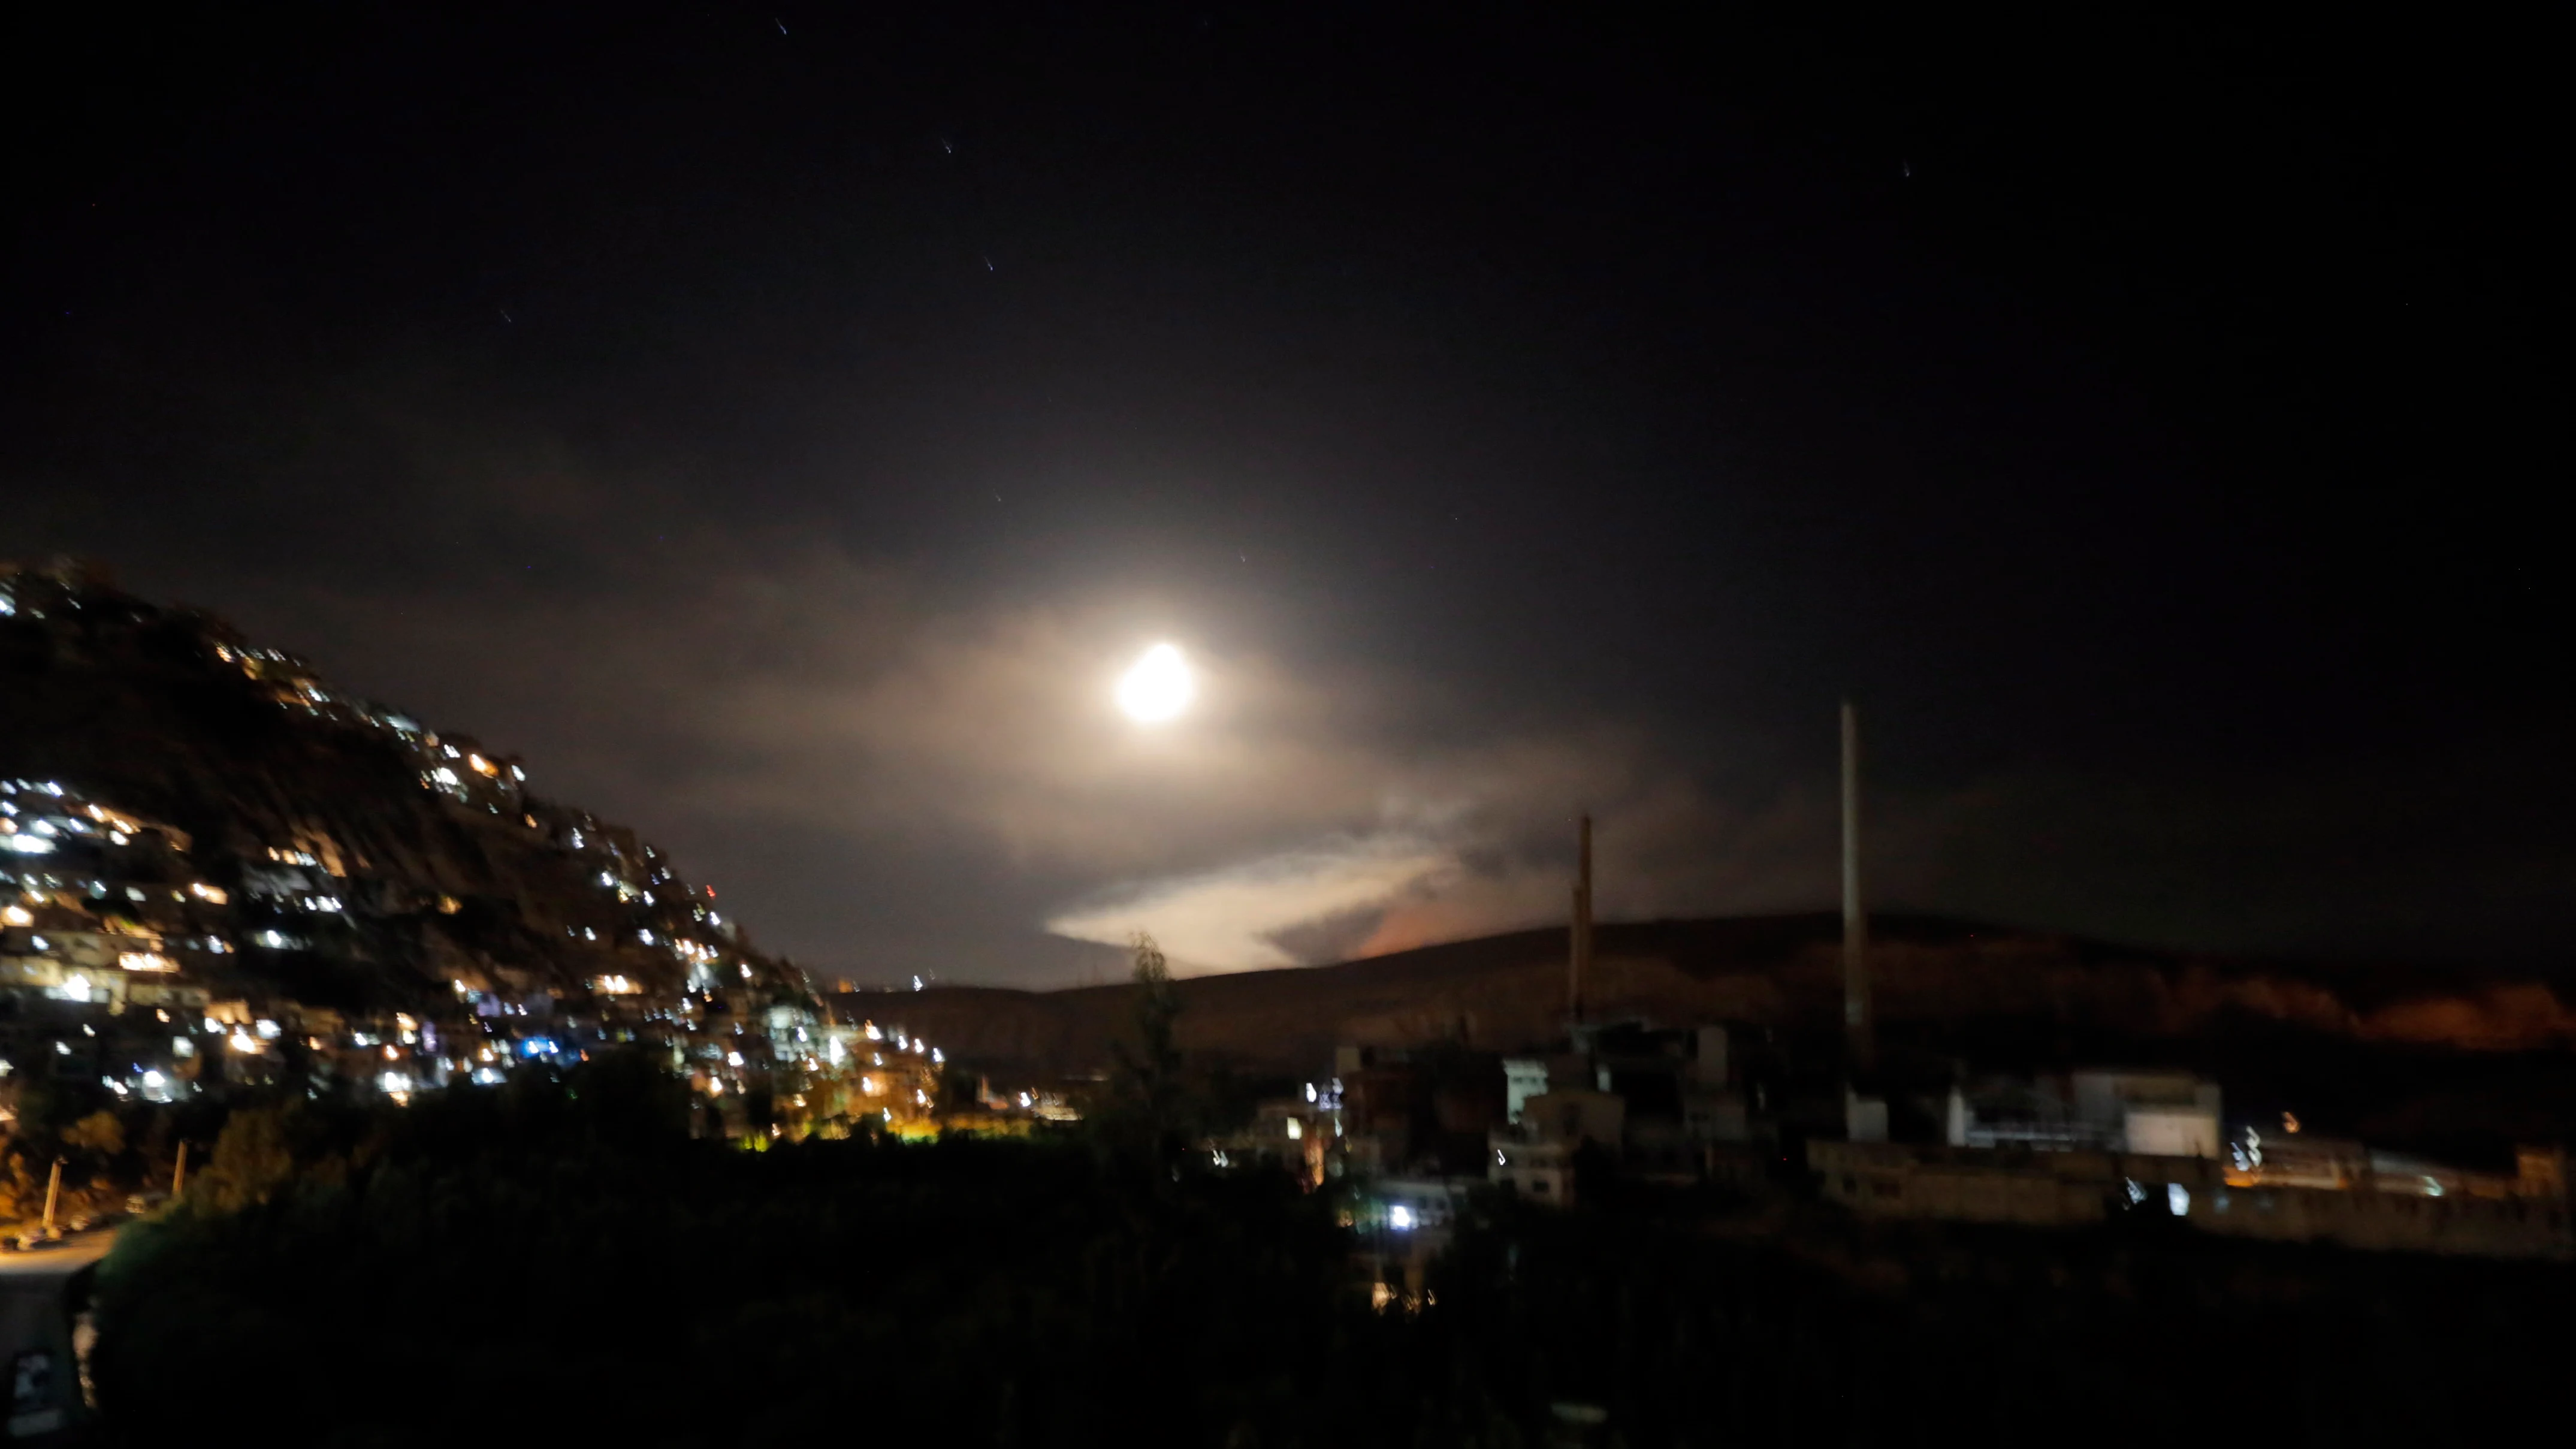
(781, 425)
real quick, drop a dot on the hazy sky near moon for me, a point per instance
(785, 441)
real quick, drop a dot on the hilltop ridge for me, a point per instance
(1936, 979)
(2417, 1055)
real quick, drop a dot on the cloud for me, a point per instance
(1236, 918)
(1477, 843)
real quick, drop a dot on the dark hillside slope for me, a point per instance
(2420, 1056)
(283, 788)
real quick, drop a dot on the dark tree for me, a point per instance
(1150, 1110)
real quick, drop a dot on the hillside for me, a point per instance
(2411, 1055)
(334, 852)
(1937, 981)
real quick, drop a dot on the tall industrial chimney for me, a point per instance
(1856, 1023)
(1578, 955)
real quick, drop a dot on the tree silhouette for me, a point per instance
(252, 1161)
(1150, 1113)
(99, 1135)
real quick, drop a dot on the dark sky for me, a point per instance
(780, 424)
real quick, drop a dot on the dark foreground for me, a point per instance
(511, 1267)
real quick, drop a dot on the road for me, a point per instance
(75, 1254)
(42, 1375)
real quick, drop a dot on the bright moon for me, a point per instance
(1156, 687)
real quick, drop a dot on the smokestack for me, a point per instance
(1578, 956)
(1856, 1024)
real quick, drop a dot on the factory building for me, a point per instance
(2156, 1113)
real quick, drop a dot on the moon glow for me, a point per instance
(1158, 686)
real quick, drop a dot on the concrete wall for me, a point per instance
(1966, 1185)
(2521, 1227)
(2043, 1189)
(2171, 1131)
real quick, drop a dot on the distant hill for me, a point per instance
(1946, 992)
(340, 853)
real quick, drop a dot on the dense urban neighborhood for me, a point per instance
(292, 937)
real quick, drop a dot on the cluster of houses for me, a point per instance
(121, 962)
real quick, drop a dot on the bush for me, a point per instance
(529, 1266)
